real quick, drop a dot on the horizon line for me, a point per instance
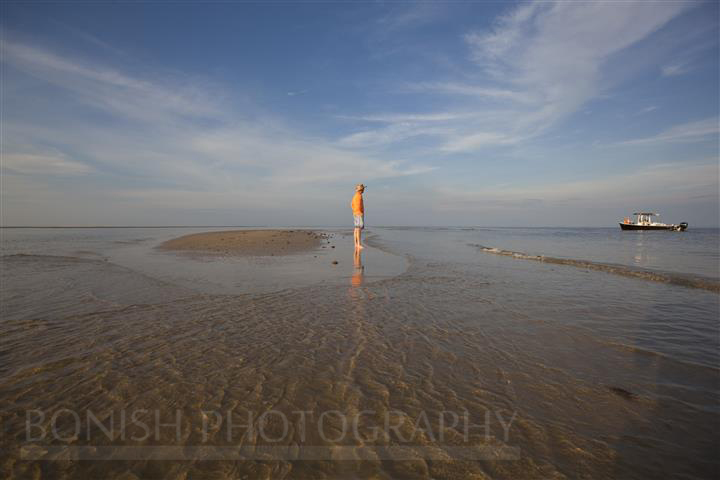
(310, 226)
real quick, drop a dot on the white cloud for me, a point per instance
(649, 109)
(110, 89)
(184, 147)
(165, 149)
(90, 39)
(479, 140)
(687, 132)
(660, 184)
(554, 52)
(43, 164)
(541, 63)
(393, 133)
(475, 91)
(294, 160)
(674, 69)
(400, 127)
(410, 117)
(412, 15)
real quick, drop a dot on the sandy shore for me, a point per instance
(249, 242)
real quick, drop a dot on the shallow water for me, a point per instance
(550, 371)
(694, 252)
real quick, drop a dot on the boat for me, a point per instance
(644, 222)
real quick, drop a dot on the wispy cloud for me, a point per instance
(475, 91)
(687, 132)
(673, 182)
(674, 69)
(90, 39)
(554, 52)
(478, 140)
(293, 160)
(483, 102)
(411, 15)
(649, 109)
(296, 93)
(43, 164)
(410, 117)
(111, 89)
(165, 137)
(385, 136)
(397, 128)
(537, 65)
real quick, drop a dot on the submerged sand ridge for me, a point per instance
(249, 242)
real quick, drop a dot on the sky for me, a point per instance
(268, 113)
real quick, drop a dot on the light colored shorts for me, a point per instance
(359, 221)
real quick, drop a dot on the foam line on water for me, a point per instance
(654, 276)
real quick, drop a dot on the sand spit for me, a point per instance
(248, 242)
(675, 279)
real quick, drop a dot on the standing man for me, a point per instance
(358, 213)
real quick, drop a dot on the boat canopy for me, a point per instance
(646, 213)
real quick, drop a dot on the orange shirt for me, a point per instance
(357, 204)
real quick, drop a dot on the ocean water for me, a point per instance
(425, 357)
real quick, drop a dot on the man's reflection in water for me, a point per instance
(356, 279)
(356, 291)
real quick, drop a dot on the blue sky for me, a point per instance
(457, 113)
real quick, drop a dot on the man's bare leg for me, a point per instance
(359, 239)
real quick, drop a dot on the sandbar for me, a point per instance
(248, 242)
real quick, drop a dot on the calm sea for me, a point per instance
(565, 372)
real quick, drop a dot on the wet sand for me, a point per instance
(248, 242)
